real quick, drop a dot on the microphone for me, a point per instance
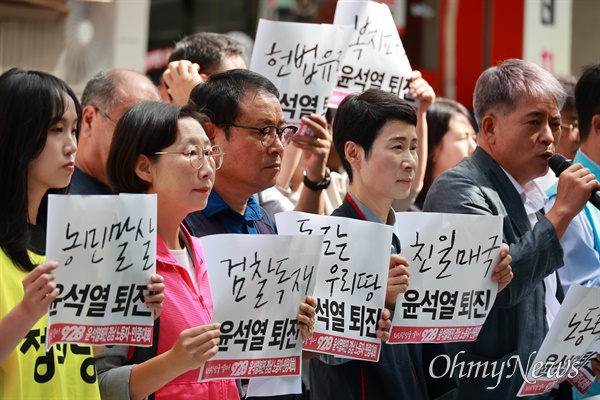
(558, 163)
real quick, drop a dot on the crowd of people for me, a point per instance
(215, 159)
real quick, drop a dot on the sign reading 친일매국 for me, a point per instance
(351, 282)
(106, 250)
(257, 284)
(450, 293)
(303, 61)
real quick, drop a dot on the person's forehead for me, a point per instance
(190, 131)
(259, 104)
(232, 62)
(568, 112)
(532, 105)
(137, 90)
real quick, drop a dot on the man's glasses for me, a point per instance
(570, 127)
(197, 155)
(270, 132)
(105, 115)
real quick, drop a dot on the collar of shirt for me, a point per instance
(233, 219)
(371, 217)
(589, 164)
(532, 195)
(534, 199)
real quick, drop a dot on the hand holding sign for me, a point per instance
(421, 91)
(596, 366)
(306, 319)
(384, 325)
(154, 300)
(195, 346)
(502, 271)
(397, 279)
(40, 290)
(315, 146)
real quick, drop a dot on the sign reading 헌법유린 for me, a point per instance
(303, 61)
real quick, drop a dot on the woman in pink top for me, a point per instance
(163, 149)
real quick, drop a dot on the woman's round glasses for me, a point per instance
(197, 155)
(270, 132)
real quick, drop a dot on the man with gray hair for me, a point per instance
(106, 97)
(517, 108)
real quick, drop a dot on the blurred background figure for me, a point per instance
(106, 97)
(450, 138)
(196, 57)
(569, 140)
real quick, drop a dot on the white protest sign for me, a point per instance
(376, 57)
(351, 282)
(573, 340)
(303, 61)
(106, 249)
(450, 292)
(257, 284)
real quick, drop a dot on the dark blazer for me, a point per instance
(516, 324)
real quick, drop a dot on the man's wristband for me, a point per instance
(324, 184)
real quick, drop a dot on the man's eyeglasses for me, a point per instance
(570, 127)
(270, 132)
(197, 155)
(105, 115)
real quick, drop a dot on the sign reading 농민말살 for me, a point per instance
(106, 249)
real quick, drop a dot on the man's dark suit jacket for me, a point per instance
(516, 324)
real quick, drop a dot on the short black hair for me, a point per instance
(360, 118)
(587, 99)
(207, 49)
(148, 127)
(219, 96)
(30, 103)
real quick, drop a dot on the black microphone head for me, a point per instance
(559, 163)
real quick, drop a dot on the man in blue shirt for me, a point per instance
(581, 241)
(247, 122)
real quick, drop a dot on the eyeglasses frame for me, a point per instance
(201, 151)
(263, 134)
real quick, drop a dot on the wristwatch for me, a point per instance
(324, 184)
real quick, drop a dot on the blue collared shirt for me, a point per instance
(581, 252)
(233, 220)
